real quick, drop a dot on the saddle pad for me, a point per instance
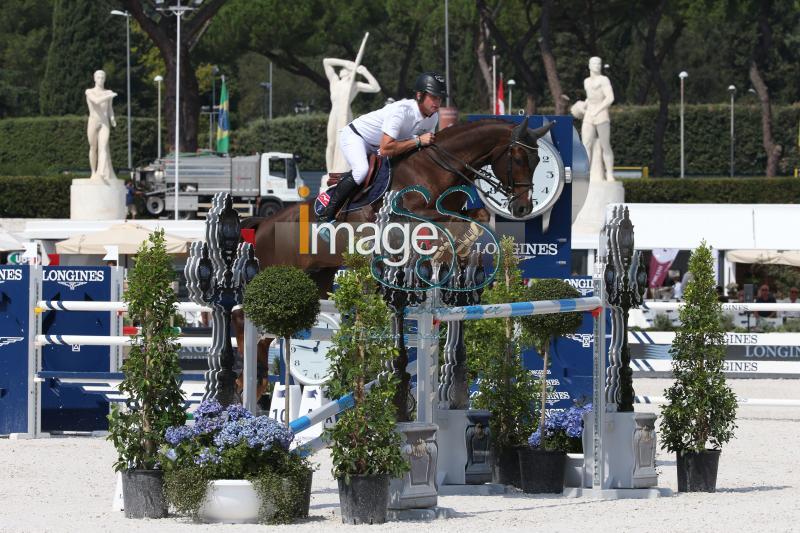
(375, 191)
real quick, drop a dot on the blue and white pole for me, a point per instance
(542, 307)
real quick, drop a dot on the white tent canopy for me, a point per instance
(722, 226)
(127, 237)
(765, 257)
(8, 242)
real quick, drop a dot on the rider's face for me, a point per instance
(429, 104)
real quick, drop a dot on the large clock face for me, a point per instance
(548, 182)
(308, 363)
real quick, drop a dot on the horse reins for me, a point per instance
(477, 174)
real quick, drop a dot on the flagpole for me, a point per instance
(494, 81)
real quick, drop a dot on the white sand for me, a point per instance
(66, 484)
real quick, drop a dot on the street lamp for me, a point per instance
(267, 86)
(178, 10)
(214, 73)
(128, 41)
(158, 79)
(732, 91)
(683, 75)
(511, 84)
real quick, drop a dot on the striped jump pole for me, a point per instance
(116, 340)
(77, 305)
(761, 402)
(541, 307)
(320, 414)
(739, 307)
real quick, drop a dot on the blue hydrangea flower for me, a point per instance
(535, 439)
(237, 411)
(207, 456)
(259, 432)
(208, 409)
(204, 426)
(177, 434)
(171, 454)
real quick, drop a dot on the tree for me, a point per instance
(494, 347)
(151, 369)
(544, 329)
(652, 58)
(82, 42)
(701, 408)
(161, 28)
(25, 27)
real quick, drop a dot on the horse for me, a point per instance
(456, 158)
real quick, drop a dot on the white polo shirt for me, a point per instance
(399, 120)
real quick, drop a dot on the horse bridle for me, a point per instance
(480, 175)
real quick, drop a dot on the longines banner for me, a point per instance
(749, 353)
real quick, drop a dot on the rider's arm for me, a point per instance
(391, 147)
(392, 127)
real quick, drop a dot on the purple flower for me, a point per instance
(204, 426)
(177, 434)
(208, 409)
(236, 412)
(207, 456)
(259, 432)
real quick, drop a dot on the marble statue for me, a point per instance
(596, 120)
(344, 88)
(102, 196)
(98, 129)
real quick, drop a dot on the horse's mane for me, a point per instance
(451, 134)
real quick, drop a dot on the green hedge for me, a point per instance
(707, 139)
(305, 135)
(35, 196)
(713, 191)
(45, 145)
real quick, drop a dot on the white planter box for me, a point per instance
(231, 501)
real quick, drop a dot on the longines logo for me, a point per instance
(73, 278)
(523, 250)
(584, 338)
(585, 286)
(5, 341)
(10, 274)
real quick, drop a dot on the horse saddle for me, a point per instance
(375, 185)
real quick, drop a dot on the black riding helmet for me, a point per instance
(432, 83)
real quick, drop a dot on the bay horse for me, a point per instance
(455, 158)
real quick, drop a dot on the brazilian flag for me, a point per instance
(223, 123)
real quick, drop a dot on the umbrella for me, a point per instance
(8, 242)
(127, 237)
(766, 257)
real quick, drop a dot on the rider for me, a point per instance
(393, 130)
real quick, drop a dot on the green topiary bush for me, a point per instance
(701, 408)
(35, 196)
(713, 191)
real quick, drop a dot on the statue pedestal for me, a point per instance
(629, 450)
(97, 200)
(593, 215)
(417, 489)
(465, 436)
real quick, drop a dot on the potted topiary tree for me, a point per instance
(701, 408)
(365, 447)
(506, 389)
(282, 300)
(151, 382)
(542, 465)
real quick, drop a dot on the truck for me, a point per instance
(260, 184)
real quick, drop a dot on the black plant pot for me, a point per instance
(541, 471)
(697, 471)
(365, 499)
(143, 494)
(304, 502)
(505, 466)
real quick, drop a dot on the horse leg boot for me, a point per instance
(340, 195)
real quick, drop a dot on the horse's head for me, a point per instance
(516, 165)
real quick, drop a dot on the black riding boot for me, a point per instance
(340, 195)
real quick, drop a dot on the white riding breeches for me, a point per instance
(355, 151)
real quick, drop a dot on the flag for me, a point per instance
(500, 108)
(223, 125)
(659, 265)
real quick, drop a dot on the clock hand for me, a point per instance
(305, 347)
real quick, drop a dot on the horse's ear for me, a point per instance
(540, 132)
(519, 129)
